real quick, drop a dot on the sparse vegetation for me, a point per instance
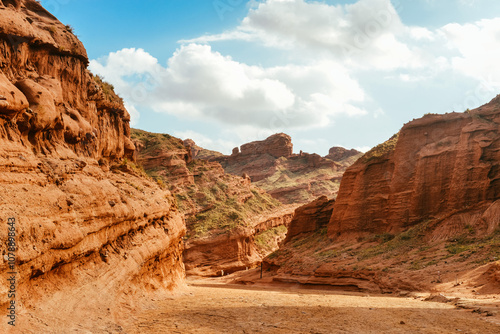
(266, 241)
(215, 203)
(227, 215)
(138, 169)
(467, 244)
(156, 142)
(382, 149)
(108, 90)
(382, 238)
(205, 154)
(392, 246)
(327, 254)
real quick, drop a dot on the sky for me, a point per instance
(326, 72)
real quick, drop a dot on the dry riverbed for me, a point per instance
(217, 308)
(212, 306)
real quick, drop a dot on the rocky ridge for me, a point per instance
(227, 217)
(290, 178)
(437, 167)
(85, 219)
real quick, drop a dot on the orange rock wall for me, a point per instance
(78, 223)
(440, 165)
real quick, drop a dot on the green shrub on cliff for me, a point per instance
(155, 142)
(381, 149)
(266, 241)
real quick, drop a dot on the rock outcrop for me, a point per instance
(257, 158)
(86, 222)
(238, 250)
(437, 166)
(290, 178)
(341, 153)
(277, 145)
(225, 214)
(198, 152)
(310, 217)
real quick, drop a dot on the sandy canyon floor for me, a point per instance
(211, 307)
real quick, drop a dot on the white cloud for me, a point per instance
(203, 84)
(134, 114)
(479, 47)
(421, 33)
(368, 33)
(363, 149)
(327, 49)
(126, 62)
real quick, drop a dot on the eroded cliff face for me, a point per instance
(257, 159)
(337, 153)
(231, 224)
(310, 218)
(83, 218)
(243, 248)
(418, 212)
(436, 167)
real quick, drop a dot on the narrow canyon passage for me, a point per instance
(205, 307)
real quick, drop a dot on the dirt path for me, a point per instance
(213, 308)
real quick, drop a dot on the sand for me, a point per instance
(207, 307)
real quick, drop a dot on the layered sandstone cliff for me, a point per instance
(85, 221)
(310, 218)
(436, 167)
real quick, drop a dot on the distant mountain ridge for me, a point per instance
(290, 178)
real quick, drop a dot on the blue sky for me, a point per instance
(329, 73)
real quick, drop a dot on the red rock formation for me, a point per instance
(195, 149)
(223, 212)
(277, 145)
(310, 217)
(419, 211)
(232, 252)
(81, 227)
(290, 178)
(164, 155)
(198, 152)
(257, 158)
(340, 153)
(438, 166)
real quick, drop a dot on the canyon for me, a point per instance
(106, 221)
(231, 224)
